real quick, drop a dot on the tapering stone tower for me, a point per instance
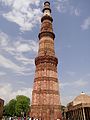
(45, 94)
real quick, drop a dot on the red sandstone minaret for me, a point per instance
(45, 94)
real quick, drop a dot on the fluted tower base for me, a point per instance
(46, 112)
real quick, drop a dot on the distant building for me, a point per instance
(79, 108)
(1, 108)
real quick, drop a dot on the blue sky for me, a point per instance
(19, 29)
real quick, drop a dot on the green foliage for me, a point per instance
(22, 105)
(9, 109)
(17, 107)
(12, 105)
(6, 110)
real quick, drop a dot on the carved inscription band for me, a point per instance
(50, 34)
(46, 79)
(46, 92)
(45, 106)
(47, 59)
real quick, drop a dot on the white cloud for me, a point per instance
(66, 99)
(25, 91)
(3, 39)
(26, 46)
(22, 13)
(2, 73)
(71, 73)
(77, 12)
(23, 48)
(76, 83)
(16, 49)
(24, 60)
(19, 45)
(88, 74)
(74, 10)
(7, 93)
(5, 90)
(86, 24)
(7, 2)
(7, 63)
(64, 6)
(64, 84)
(81, 83)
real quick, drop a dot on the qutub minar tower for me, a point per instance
(45, 94)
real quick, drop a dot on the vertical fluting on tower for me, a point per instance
(45, 94)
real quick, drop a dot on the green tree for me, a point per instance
(22, 105)
(9, 109)
(12, 105)
(17, 107)
(6, 110)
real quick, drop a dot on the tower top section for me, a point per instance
(46, 20)
(47, 2)
(47, 10)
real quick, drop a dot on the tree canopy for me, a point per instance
(17, 107)
(22, 104)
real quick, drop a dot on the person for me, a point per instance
(19, 118)
(29, 119)
(32, 118)
(9, 118)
